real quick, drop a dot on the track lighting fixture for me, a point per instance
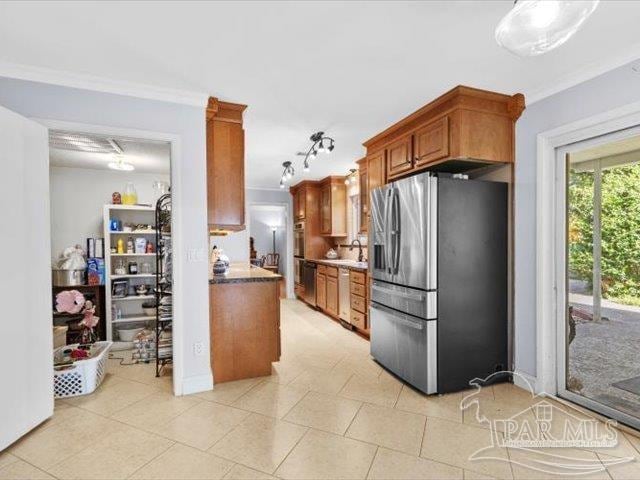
(320, 144)
(287, 173)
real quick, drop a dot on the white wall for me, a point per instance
(44, 101)
(78, 196)
(605, 92)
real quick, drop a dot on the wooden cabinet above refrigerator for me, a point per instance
(225, 166)
(465, 128)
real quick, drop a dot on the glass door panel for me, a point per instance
(603, 277)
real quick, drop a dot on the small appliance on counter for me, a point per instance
(331, 254)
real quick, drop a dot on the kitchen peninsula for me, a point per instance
(244, 317)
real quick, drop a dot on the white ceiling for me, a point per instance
(348, 68)
(146, 156)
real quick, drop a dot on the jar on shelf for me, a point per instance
(130, 196)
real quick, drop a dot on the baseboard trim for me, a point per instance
(525, 381)
(199, 383)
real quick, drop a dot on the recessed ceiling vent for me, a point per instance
(81, 142)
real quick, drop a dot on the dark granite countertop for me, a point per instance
(244, 272)
(350, 264)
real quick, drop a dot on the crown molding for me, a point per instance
(101, 84)
(584, 74)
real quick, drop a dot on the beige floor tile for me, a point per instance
(324, 412)
(49, 444)
(362, 365)
(6, 458)
(381, 391)
(271, 399)
(240, 472)
(322, 360)
(321, 455)
(155, 410)
(389, 464)
(441, 406)
(228, 392)
(116, 456)
(184, 463)
(202, 425)
(471, 475)
(21, 470)
(621, 471)
(624, 447)
(550, 463)
(329, 382)
(454, 444)
(284, 372)
(490, 413)
(113, 395)
(259, 442)
(513, 393)
(389, 428)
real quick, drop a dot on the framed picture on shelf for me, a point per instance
(120, 288)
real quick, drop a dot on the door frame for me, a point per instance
(550, 247)
(178, 253)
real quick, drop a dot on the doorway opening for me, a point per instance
(598, 341)
(112, 249)
(268, 245)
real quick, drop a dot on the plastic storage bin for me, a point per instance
(83, 376)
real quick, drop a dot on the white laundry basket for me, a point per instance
(83, 376)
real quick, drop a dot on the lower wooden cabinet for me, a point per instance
(359, 320)
(332, 296)
(321, 291)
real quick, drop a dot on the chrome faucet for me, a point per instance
(359, 248)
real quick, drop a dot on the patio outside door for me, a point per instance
(599, 343)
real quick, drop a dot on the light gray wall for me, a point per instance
(605, 92)
(38, 100)
(260, 223)
(78, 196)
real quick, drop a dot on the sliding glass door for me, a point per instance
(599, 344)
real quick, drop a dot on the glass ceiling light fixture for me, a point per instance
(351, 177)
(120, 164)
(321, 144)
(534, 27)
(287, 173)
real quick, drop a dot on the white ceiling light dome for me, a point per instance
(534, 27)
(120, 164)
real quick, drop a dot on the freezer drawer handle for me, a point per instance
(395, 317)
(411, 296)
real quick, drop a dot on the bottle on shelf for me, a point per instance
(120, 245)
(130, 196)
(130, 245)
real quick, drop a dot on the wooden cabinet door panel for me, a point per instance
(325, 210)
(359, 320)
(321, 291)
(399, 159)
(302, 204)
(364, 198)
(358, 303)
(225, 175)
(332, 296)
(431, 142)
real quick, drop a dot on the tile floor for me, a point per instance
(328, 411)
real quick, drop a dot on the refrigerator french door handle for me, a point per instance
(397, 230)
(387, 230)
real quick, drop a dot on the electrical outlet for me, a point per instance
(198, 348)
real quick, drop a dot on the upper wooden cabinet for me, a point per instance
(375, 168)
(431, 142)
(225, 166)
(399, 158)
(463, 129)
(364, 194)
(333, 207)
(306, 198)
(299, 204)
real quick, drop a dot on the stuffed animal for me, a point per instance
(69, 301)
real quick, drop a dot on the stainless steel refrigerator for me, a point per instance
(439, 293)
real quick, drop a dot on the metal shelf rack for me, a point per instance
(164, 282)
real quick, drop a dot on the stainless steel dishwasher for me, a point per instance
(344, 297)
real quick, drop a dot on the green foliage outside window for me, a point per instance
(620, 231)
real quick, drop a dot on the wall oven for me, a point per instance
(298, 265)
(298, 240)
